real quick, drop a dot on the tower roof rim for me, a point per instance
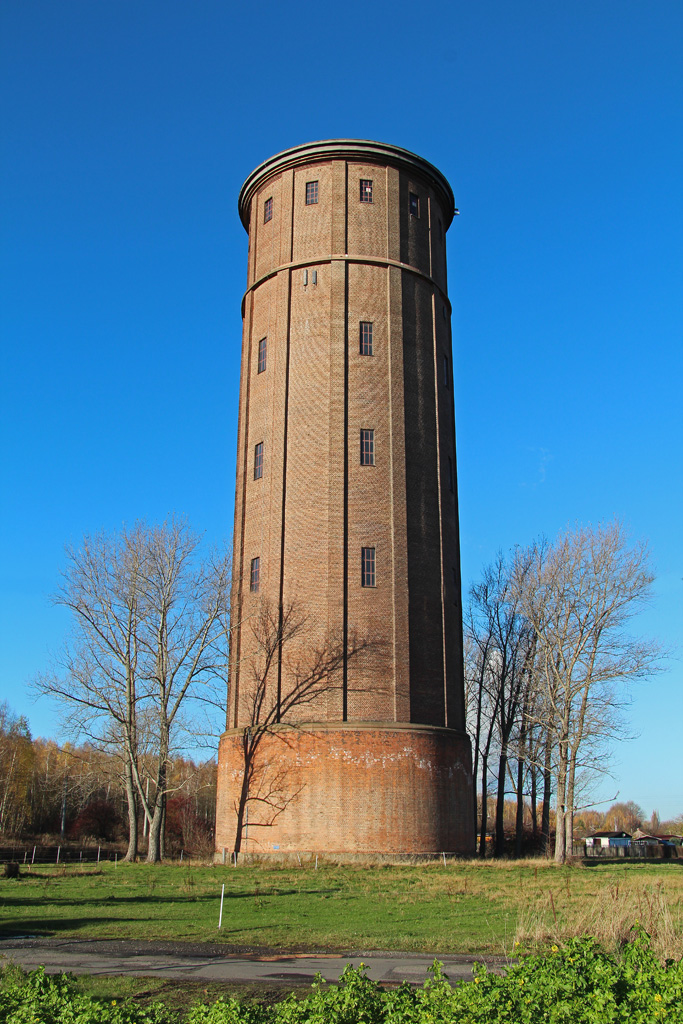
(359, 149)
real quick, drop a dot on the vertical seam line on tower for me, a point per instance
(245, 459)
(284, 497)
(440, 499)
(284, 464)
(391, 483)
(345, 614)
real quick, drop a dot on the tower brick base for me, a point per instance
(353, 788)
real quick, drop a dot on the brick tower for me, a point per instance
(345, 724)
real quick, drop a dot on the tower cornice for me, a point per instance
(361, 150)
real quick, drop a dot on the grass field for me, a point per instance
(464, 907)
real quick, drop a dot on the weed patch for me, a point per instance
(579, 983)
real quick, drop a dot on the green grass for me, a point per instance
(466, 907)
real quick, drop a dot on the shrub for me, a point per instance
(40, 998)
(186, 829)
(99, 819)
(578, 984)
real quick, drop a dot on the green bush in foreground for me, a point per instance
(578, 984)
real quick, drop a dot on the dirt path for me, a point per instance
(216, 962)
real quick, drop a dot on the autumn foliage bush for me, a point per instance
(100, 819)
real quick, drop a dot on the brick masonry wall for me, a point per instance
(315, 272)
(359, 788)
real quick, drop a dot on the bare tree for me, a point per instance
(147, 626)
(505, 652)
(578, 596)
(96, 684)
(480, 714)
(182, 636)
(275, 711)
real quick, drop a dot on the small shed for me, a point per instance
(648, 840)
(605, 840)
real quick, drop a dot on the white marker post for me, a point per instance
(58, 851)
(98, 854)
(444, 858)
(34, 855)
(220, 916)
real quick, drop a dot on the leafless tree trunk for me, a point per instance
(504, 642)
(475, 672)
(547, 792)
(97, 689)
(578, 595)
(181, 636)
(519, 814)
(148, 616)
(275, 714)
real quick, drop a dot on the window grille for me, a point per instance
(368, 567)
(258, 461)
(366, 338)
(367, 447)
(262, 347)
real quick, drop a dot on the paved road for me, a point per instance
(210, 962)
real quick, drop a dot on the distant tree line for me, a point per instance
(624, 816)
(76, 792)
(548, 656)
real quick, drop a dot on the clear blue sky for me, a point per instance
(128, 128)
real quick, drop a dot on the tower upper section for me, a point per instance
(346, 499)
(353, 150)
(295, 217)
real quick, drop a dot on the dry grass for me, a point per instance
(609, 916)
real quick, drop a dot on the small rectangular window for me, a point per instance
(366, 338)
(268, 210)
(258, 461)
(314, 276)
(445, 371)
(365, 190)
(367, 447)
(368, 567)
(262, 346)
(414, 205)
(311, 193)
(451, 478)
(255, 577)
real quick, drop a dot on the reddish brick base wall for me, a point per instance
(349, 788)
